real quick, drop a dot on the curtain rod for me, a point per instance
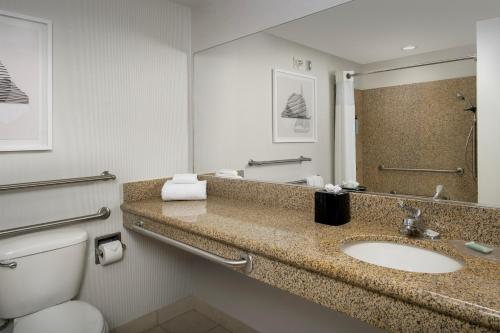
(413, 66)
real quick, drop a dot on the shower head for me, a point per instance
(461, 97)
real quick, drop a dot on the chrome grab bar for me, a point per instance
(11, 265)
(459, 171)
(298, 182)
(245, 261)
(103, 213)
(102, 177)
(292, 160)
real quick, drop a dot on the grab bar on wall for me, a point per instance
(292, 160)
(18, 186)
(458, 171)
(245, 261)
(102, 214)
(298, 182)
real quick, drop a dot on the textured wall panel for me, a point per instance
(120, 104)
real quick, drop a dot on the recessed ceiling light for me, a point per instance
(409, 47)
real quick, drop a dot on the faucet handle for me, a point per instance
(415, 212)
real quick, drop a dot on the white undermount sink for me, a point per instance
(402, 257)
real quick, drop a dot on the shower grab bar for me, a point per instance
(458, 171)
(298, 182)
(245, 262)
(287, 161)
(102, 214)
(18, 186)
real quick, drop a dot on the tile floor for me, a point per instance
(189, 322)
(187, 315)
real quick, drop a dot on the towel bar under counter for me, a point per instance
(245, 261)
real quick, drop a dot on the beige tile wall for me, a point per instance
(419, 125)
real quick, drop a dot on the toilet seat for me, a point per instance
(72, 316)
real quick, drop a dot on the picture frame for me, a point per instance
(25, 83)
(294, 107)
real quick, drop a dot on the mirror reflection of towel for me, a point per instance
(315, 181)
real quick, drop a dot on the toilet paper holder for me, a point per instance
(106, 239)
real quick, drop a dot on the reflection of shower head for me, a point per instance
(461, 97)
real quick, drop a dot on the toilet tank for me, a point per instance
(49, 270)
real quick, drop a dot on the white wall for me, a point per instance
(220, 21)
(233, 108)
(268, 309)
(120, 104)
(419, 74)
(488, 116)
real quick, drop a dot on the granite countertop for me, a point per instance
(292, 237)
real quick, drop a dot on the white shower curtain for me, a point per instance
(345, 136)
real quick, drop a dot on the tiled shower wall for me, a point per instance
(420, 125)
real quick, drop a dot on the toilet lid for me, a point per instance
(73, 316)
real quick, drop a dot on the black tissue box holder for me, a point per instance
(332, 208)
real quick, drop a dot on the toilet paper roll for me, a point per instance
(110, 252)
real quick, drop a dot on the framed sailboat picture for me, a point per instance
(294, 107)
(25, 83)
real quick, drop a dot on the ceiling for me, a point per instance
(367, 31)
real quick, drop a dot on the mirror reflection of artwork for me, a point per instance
(9, 92)
(25, 83)
(294, 107)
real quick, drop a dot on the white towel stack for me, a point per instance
(184, 187)
(185, 178)
(315, 181)
(228, 173)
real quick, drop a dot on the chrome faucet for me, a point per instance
(411, 223)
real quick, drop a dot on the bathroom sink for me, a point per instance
(402, 257)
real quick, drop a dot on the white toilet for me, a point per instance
(37, 293)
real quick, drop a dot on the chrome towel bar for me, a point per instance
(458, 171)
(11, 265)
(292, 160)
(102, 214)
(18, 186)
(245, 261)
(298, 182)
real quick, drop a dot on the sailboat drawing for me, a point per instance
(296, 108)
(9, 92)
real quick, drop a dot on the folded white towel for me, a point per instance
(228, 173)
(185, 178)
(229, 176)
(173, 192)
(350, 184)
(315, 181)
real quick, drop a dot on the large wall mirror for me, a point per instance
(382, 93)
